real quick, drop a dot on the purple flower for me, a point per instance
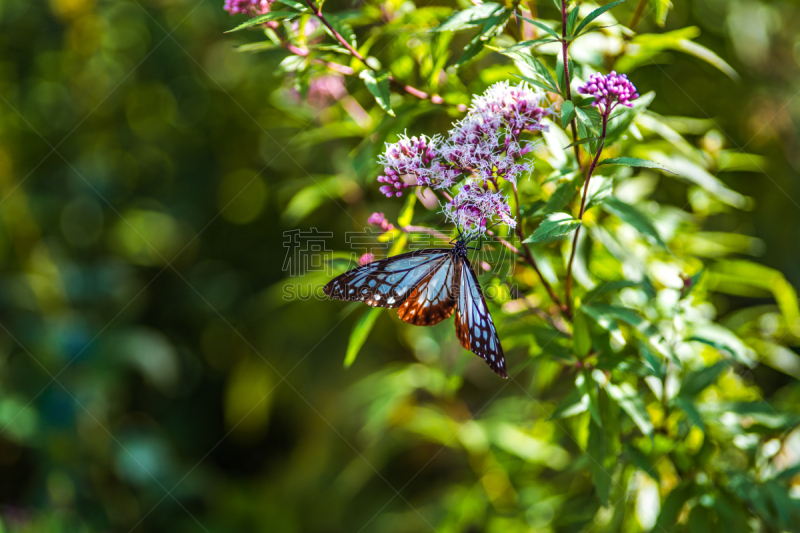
(377, 219)
(483, 148)
(366, 259)
(247, 7)
(474, 206)
(486, 143)
(516, 107)
(406, 163)
(609, 91)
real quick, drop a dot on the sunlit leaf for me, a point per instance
(378, 85)
(633, 162)
(263, 19)
(360, 333)
(594, 14)
(553, 226)
(631, 402)
(470, 17)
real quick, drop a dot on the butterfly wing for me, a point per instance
(433, 298)
(474, 326)
(388, 282)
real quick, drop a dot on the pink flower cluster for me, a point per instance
(247, 7)
(474, 205)
(406, 162)
(609, 91)
(482, 148)
(378, 219)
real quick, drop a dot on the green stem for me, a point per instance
(567, 89)
(568, 296)
(528, 255)
(408, 89)
(637, 15)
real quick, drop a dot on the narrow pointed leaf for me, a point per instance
(594, 14)
(633, 217)
(631, 402)
(359, 334)
(634, 162)
(582, 141)
(378, 85)
(469, 18)
(553, 226)
(544, 28)
(263, 19)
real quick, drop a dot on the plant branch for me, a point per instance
(528, 256)
(568, 296)
(408, 89)
(567, 89)
(637, 15)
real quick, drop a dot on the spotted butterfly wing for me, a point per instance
(474, 326)
(389, 282)
(427, 286)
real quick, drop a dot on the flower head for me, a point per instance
(247, 7)
(610, 91)
(377, 219)
(366, 259)
(475, 206)
(484, 147)
(514, 106)
(406, 163)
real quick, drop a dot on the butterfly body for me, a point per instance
(428, 286)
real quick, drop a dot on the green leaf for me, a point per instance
(359, 334)
(572, 19)
(292, 3)
(469, 18)
(273, 15)
(553, 226)
(536, 83)
(660, 9)
(633, 162)
(495, 24)
(257, 47)
(590, 117)
(573, 403)
(560, 197)
(581, 336)
(567, 113)
(342, 28)
(600, 188)
(740, 277)
(609, 286)
(582, 141)
(472, 49)
(642, 461)
(596, 450)
(531, 66)
(725, 341)
(544, 28)
(694, 383)
(649, 46)
(378, 85)
(594, 14)
(701, 52)
(524, 45)
(588, 388)
(632, 216)
(631, 402)
(672, 506)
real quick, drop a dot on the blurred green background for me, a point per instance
(148, 172)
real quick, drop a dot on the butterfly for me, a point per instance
(427, 286)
